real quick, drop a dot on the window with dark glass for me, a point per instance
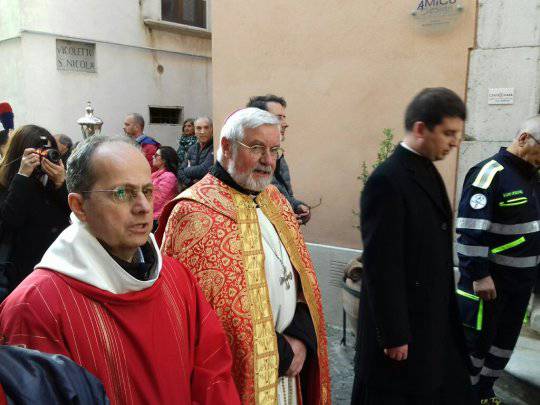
(189, 12)
(165, 115)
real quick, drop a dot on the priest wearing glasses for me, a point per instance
(105, 297)
(239, 236)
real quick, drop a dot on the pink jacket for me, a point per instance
(165, 189)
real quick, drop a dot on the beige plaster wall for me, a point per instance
(347, 70)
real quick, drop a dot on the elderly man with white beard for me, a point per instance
(239, 236)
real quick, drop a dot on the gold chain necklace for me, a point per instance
(286, 277)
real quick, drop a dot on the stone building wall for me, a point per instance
(140, 61)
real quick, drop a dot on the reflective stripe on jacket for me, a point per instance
(499, 219)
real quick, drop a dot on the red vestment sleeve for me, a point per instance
(211, 381)
(27, 320)
(3, 400)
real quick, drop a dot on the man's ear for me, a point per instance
(419, 130)
(522, 139)
(76, 203)
(226, 147)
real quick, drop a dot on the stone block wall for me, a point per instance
(506, 55)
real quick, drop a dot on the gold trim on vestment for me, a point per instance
(288, 239)
(265, 353)
(186, 194)
(113, 369)
(265, 368)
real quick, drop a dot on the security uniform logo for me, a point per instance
(478, 201)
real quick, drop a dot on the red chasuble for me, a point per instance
(160, 345)
(214, 231)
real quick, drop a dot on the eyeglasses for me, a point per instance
(126, 194)
(157, 155)
(259, 150)
(535, 140)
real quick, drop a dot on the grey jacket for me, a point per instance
(282, 180)
(200, 162)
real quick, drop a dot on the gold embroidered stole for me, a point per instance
(265, 353)
(290, 239)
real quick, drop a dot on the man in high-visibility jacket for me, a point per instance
(499, 252)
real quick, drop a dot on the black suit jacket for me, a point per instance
(408, 284)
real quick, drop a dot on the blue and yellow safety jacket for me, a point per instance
(499, 221)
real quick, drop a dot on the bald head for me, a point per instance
(531, 126)
(526, 144)
(122, 160)
(134, 125)
(116, 204)
(81, 175)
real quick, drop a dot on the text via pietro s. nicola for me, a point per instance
(75, 56)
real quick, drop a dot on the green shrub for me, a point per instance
(386, 148)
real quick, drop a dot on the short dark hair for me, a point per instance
(65, 140)
(261, 101)
(432, 105)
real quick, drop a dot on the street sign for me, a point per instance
(75, 56)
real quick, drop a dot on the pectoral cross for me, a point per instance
(286, 278)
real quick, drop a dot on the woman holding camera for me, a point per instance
(33, 202)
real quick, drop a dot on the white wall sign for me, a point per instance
(503, 95)
(436, 15)
(75, 56)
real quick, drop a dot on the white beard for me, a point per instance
(246, 180)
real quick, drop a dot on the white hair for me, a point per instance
(204, 118)
(531, 126)
(234, 126)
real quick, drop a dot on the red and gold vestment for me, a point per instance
(214, 231)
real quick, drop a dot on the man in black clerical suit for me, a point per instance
(410, 347)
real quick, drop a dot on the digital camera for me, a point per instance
(49, 153)
(45, 152)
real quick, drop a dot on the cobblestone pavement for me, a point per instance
(509, 389)
(341, 365)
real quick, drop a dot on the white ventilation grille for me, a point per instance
(336, 270)
(329, 262)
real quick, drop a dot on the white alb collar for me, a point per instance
(76, 253)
